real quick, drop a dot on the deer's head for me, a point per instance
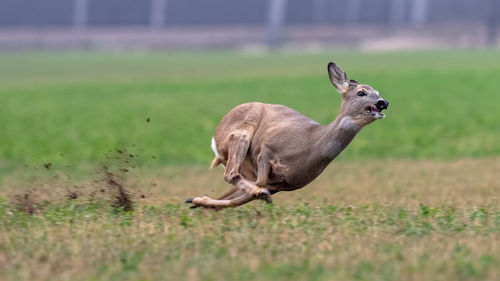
(360, 102)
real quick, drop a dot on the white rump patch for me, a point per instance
(214, 148)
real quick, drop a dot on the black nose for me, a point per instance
(382, 104)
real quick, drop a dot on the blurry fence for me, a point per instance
(159, 14)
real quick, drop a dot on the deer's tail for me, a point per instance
(216, 162)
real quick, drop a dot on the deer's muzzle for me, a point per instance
(382, 104)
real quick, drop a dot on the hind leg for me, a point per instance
(208, 202)
(238, 145)
(242, 185)
(245, 186)
(252, 189)
(243, 192)
(232, 193)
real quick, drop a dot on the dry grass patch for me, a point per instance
(369, 220)
(471, 181)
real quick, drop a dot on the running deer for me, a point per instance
(268, 148)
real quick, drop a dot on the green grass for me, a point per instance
(443, 105)
(302, 242)
(409, 216)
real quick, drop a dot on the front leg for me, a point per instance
(244, 192)
(252, 189)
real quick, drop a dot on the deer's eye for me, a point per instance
(361, 94)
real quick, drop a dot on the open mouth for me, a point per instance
(376, 111)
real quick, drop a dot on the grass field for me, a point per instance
(443, 104)
(414, 196)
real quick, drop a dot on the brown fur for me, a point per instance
(268, 148)
(216, 162)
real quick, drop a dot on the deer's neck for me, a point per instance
(337, 135)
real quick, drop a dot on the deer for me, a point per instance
(269, 148)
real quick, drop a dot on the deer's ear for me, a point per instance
(338, 78)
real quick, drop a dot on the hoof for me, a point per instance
(190, 200)
(265, 195)
(268, 199)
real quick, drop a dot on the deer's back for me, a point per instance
(281, 129)
(260, 118)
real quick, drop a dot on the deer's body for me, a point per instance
(267, 148)
(297, 148)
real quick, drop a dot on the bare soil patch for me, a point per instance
(110, 183)
(467, 182)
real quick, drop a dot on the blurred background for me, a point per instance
(104, 98)
(253, 25)
(79, 78)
